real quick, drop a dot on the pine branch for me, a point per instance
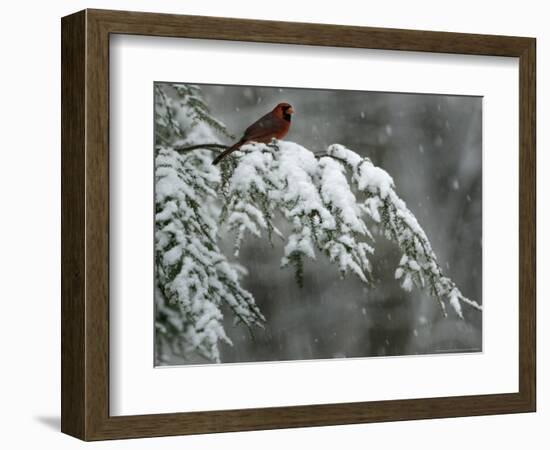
(194, 278)
(385, 207)
(311, 191)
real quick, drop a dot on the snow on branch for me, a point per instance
(314, 197)
(418, 264)
(194, 278)
(329, 215)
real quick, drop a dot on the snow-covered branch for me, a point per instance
(194, 279)
(328, 214)
(381, 203)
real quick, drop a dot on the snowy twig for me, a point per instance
(162, 138)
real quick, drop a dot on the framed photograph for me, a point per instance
(270, 224)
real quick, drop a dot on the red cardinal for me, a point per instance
(274, 124)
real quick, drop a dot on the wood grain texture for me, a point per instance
(527, 223)
(85, 224)
(73, 111)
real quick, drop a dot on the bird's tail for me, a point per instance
(227, 152)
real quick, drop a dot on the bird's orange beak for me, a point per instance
(290, 110)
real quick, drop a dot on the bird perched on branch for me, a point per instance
(274, 124)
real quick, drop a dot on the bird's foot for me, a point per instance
(274, 144)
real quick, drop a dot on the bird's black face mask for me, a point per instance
(286, 115)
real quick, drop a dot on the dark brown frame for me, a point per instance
(85, 224)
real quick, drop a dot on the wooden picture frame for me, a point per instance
(85, 224)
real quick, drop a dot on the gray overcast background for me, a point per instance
(431, 145)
